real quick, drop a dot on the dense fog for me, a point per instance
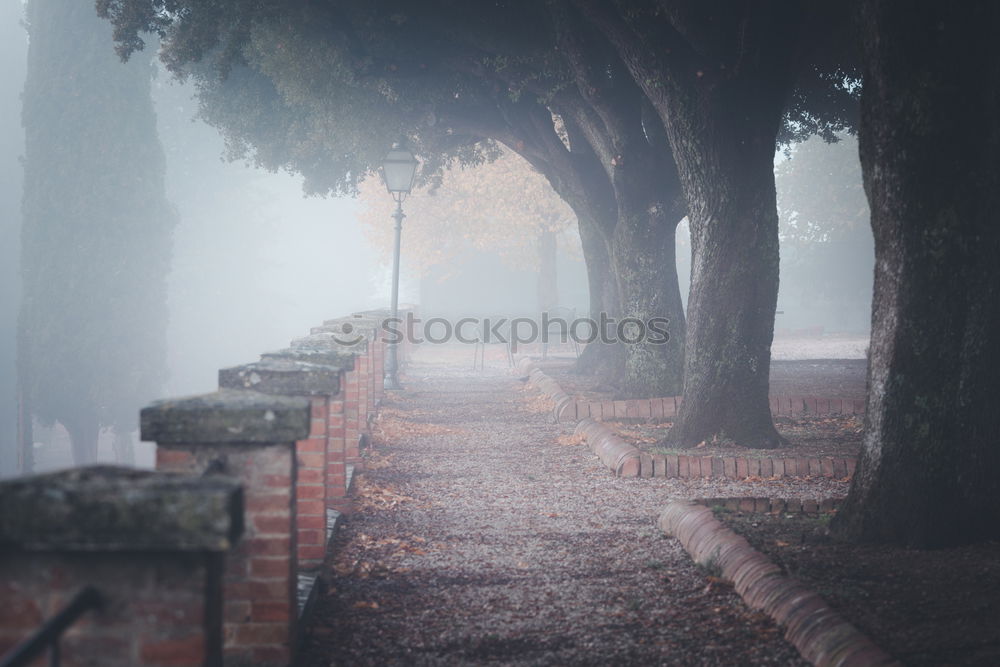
(255, 263)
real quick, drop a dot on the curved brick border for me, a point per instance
(821, 635)
(623, 459)
(610, 448)
(528, 370)
(687, 466)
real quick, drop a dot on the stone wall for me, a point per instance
(210, 559)
(152, 545)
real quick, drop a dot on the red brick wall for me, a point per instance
(366, 395)
(336, 456)
(352, 411)
(259, 582)
(311, 455)
(155, 611)
(378, 371)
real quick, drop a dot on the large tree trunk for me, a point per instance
(608, 112)
(930, 153)
(576, 174)
(606, 362)
(603, 294)
(643, 253)
(734, 284)
(719, 84)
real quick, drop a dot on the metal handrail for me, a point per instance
(49, 633)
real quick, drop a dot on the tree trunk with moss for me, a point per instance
(608, 113)
(930, 154)
(604, 361)
(644, 258)
(576, 174)
(734, 278)
(719, 84)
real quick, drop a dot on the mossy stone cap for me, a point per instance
(226, 416)
(283, 376)
(333, 357)
(354, 341)
(383, 313)
(357, 322)
(108, 508)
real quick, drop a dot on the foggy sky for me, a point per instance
(255, 263)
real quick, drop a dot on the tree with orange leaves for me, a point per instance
(503, 206)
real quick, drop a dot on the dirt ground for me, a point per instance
(938, 607)
(485, 534)
(837, 436)
(812, 436)
(827, 378)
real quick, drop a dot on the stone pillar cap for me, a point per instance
(383, 312)
(226, 416)
(339, 324)
(283, 376)
(331, 356)
(354, 341)
(108, 508)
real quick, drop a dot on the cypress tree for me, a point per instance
(96, 236)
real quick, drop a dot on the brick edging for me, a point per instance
(666, 407)
(532, 373)
(820, 634)
(621, 458)
(688, 466)
(618, 455)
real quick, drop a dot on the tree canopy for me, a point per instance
(670, 106)
(320, 88)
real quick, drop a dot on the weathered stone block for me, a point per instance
(283, 376)
(228, 415)
(106, 508)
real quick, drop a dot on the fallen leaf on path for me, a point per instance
(538, 404)
(570, 439)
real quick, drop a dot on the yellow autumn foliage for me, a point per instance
(501, 207)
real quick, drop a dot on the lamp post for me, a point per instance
(398, 169)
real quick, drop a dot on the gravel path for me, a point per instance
(486, 535)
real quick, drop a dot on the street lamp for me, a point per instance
(398, 168)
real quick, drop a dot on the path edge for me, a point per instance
(820, 634)
(621, 458)
(610, 447)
